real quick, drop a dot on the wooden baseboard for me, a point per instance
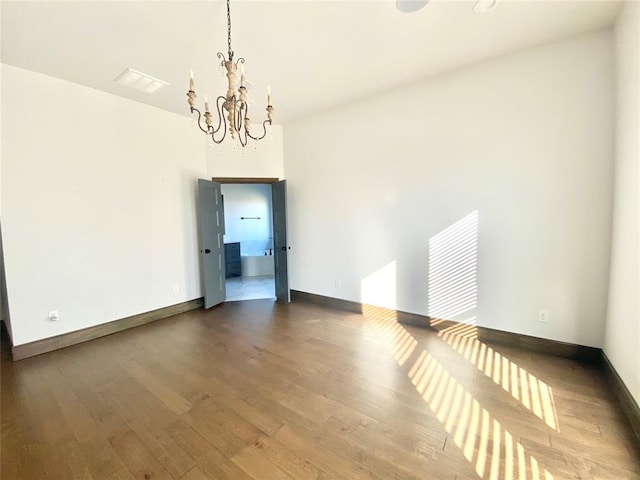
(50, 344)
(330, 302)
(622, 393)
(4, 332)
(487, 335)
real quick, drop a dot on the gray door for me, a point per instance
(280, 247)
(210, 231)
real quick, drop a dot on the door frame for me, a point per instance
(250, 180)
(246, 180)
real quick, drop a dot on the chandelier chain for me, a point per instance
(229, 30)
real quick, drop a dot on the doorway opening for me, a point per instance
(211, 239)
(248, 241)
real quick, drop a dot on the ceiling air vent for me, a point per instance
(139, 81)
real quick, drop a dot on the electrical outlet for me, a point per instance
(337, 283)
(176, 289)
(54, 316)
(543, 315)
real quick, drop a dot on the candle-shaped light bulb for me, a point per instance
(206, 103)
(269, 95)
(191, 80)
(242, 75)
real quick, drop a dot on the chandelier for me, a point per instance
(232, 109)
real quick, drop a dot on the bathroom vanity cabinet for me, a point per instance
(232, 259)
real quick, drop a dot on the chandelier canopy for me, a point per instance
(232, 109)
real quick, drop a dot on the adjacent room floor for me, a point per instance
(250, 288)
(261, 390)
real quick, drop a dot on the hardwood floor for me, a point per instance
(257, 390)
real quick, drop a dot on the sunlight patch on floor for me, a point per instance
(492, 450)
(534, 394)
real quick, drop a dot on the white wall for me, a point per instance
(526, 140)
(262, 159)
(98, 205)
(248, 200)
(622, 340)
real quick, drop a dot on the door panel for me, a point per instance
(210, 233)
(280, 246)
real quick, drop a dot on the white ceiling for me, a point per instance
(314, 54)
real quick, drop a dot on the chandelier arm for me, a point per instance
(264, 126)
(224, 134)
(218, 142)
(219, 110)
(244, 144)
(220, 55)
(240, 107)
(194, 109)
(246, 117)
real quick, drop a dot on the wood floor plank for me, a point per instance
(258, 465)
(328, 461)
(101, 459)
(121, 475)
(288, 460)
(138, 459)
(213, 462)
(194, 474)
(173, 401)
(176, 461)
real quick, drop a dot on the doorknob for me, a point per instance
(206, 250)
